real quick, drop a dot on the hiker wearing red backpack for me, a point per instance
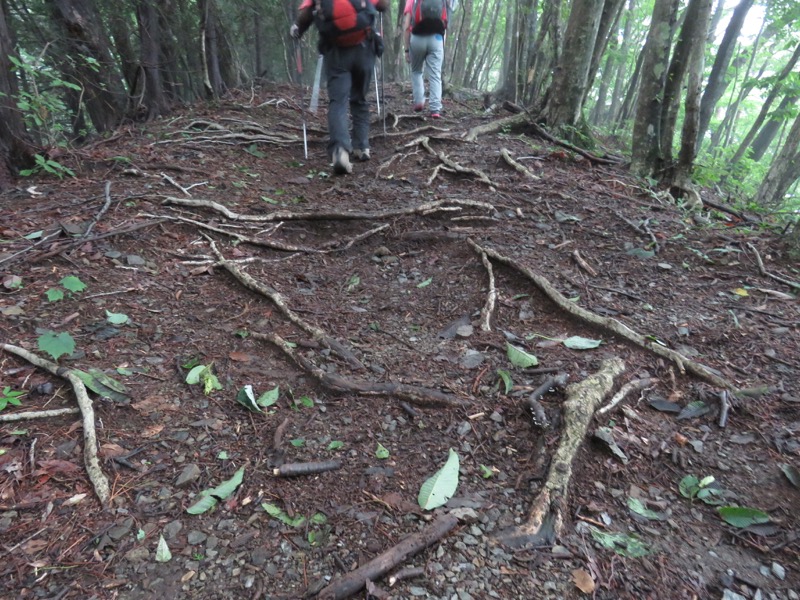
(349, 45)
(424, 24)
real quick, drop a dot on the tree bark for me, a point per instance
(783, 172)
(154, 99)
(646, 149)
(564, 107)
(89, 62)
(717, 83)
(16, 149)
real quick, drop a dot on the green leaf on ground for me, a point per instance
(73, 284)
(440, 487)
(742, 516)
(640, 509)
(9, 396)
(581, 343)
(486, 472)
(425, 283)
(103, 385)
(792, 474)
(54, 295)
(505, 377)
(116, 318)
(163, 553)
(335, 445)
(269, 397)
(298, 442)
(56, 344)
(278, 513)
(247, 398)
(381, 452)
(520, 358)
(621, 543)
(209, 498)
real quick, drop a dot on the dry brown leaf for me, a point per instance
(240, 356)
(34, 546)
(681, 439)
(583, 581)
(111, 450)
(153, 403)
(152, 431)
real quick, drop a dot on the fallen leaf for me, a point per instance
(152, 431)
(583, 581)
(240, 356)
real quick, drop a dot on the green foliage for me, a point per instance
(56, 344)
(9, 396)
(203, 374)
(46, 165)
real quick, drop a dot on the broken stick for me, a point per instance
(382, 564)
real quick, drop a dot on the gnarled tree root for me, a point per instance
(95, 473)
(546, 517)
(353, 581)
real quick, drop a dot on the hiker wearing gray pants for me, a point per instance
(424, 24)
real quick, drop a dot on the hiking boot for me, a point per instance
(418, 107)
(341, 161)
(435, 115)
(362, 155)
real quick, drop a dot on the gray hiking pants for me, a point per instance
(348, 72)
(427, 51)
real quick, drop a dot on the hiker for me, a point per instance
(424, 24)
(349, 47)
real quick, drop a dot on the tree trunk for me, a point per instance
(615, 110)
(563, 111)
(153, 98)
(691, 119)
(767, 134)
(609, 19)
(693, 33)
(717, 83)
(762, 115)
(15, 147)
(90, 63)
(646, 148)
(546, 52)
(783, 172)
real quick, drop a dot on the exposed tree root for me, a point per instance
(491, 298)
(37, 414)
(95, 473)
(609, 324)
(453, 204)
(354, 581)
(424, 141)
(545, 520)
(316, 333)
(631, 386)
(519, 167)
(495, 126)
(417, 395)
(765, 273)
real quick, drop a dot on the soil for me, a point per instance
(381, 262)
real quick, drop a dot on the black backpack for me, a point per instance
(429, 16)
(335, 18)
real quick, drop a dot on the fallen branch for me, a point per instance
(519, 167)
(102, 211)
(37, 414)
(316, 333)
(545, 520)
(354, 581)
(611, 325)
(285, 215)
(488, 309)
(307, 468)
(426, 143)
(414, 394)
(96, 475)
(583, 264)
(765, 273)
(631, 386)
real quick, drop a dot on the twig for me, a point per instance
(488, 309)
(765, 273)
(519, 167)
(90, 460)
(611, 325)
(636, 384)
(425, 143)
(37, 414)
(355, 580)
(103, 210)
(176, 184)
(420, 396)
(308, 468)
(406, 573)
(724, 409)
(583, 264)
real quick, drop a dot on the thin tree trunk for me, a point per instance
(153, 98)
(770, 129)
(783, 172)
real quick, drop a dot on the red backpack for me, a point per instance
(335, 18)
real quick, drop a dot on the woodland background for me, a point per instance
(691, 92)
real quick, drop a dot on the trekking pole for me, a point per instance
(302, 95)
(377, 95)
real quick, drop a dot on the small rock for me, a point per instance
(172, 529)
(189, 475)
(139, 554)
(778, 571)
(730, 595)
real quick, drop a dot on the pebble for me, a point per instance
(189, 475)
(778, 571)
